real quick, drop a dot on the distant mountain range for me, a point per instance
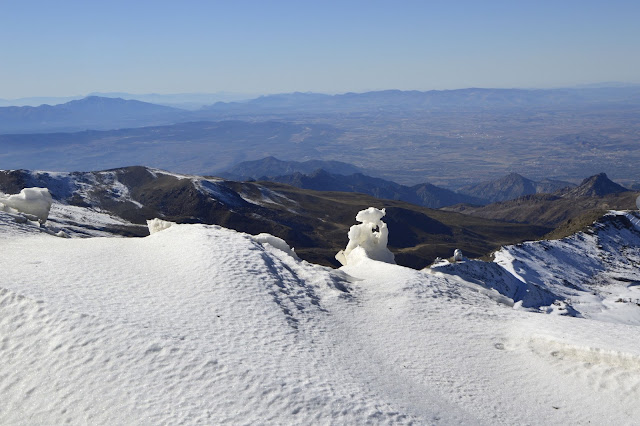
(108, 112)
(424, 194)
(544, 203)
(268, 167)
(89, 113)
(512, 186)
(190, 101)
(433, 100)
(338, 176)
(569, 209)
(404, 136)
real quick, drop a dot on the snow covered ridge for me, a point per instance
(156, 225)
(133, 192)
(91, 188)
(593, 274)
(124, 199)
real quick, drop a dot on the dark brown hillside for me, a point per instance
(417, 235)
(315, 223)
(568, 210)
(595, 186)
(512, 186)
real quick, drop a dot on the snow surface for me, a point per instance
(200, 324)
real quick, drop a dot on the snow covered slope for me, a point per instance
(593, 274)
(201, 324)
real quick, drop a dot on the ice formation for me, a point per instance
(457, 255)
(31, 201)
(275, 242)
(371, 236)
(157, 225)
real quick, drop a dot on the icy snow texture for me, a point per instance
(371, 237)
(32, 201)
(157, 225)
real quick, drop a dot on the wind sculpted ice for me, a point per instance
(31, 201)
(370, 236)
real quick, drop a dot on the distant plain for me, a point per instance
(448, 138)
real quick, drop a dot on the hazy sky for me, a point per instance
(58, 48)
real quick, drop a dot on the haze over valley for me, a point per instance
(407, 137)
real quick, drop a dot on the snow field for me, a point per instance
(492, 362)
(200, 324)
(137, 330)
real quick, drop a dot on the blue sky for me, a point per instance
(65, 48)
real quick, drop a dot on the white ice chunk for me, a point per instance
(457, 255)
(157, 225)
(276, 242)
(31, 201)
(371, 235)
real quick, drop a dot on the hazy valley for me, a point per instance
(406, 137)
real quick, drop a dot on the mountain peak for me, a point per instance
(512, 186)
(93, 99)
(596, 185)
(272, 167)
(514, 175)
